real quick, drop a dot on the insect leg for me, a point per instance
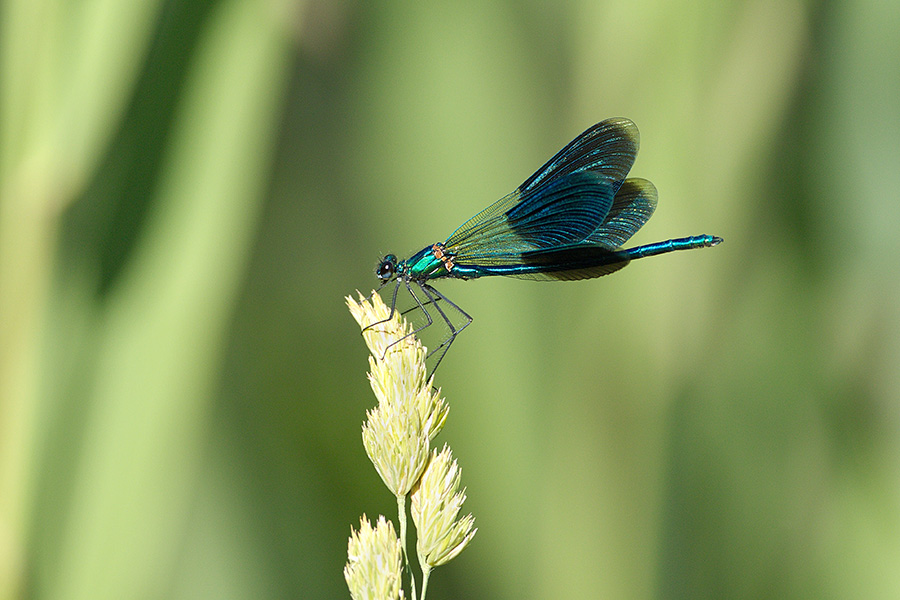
(420, 305)
(393, 304)
(433, 296)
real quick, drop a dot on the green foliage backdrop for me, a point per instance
(190, 188)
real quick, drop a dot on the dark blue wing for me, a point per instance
(563, 203)
(607, 149)
(601, 253)
(632, 207)
(567, 263)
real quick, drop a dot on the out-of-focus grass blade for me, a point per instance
(66, 71)
(165, 323)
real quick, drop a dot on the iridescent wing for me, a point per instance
(600, 254)
(632, 207)
(562, 203)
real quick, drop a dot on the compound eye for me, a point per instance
(387, 267)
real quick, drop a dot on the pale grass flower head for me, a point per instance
(400, 378)
(410, 412)
(398, 373)
(374, 562)
(397, 445)
(387, 331)
(435, 504)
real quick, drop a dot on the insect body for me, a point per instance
(568, 221)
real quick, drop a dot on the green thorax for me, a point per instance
(427, 263)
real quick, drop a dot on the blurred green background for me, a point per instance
(190, 188)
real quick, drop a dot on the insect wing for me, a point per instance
(564, 202)
(632, 207)
(607, 149)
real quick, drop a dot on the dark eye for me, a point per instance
(387, 267)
